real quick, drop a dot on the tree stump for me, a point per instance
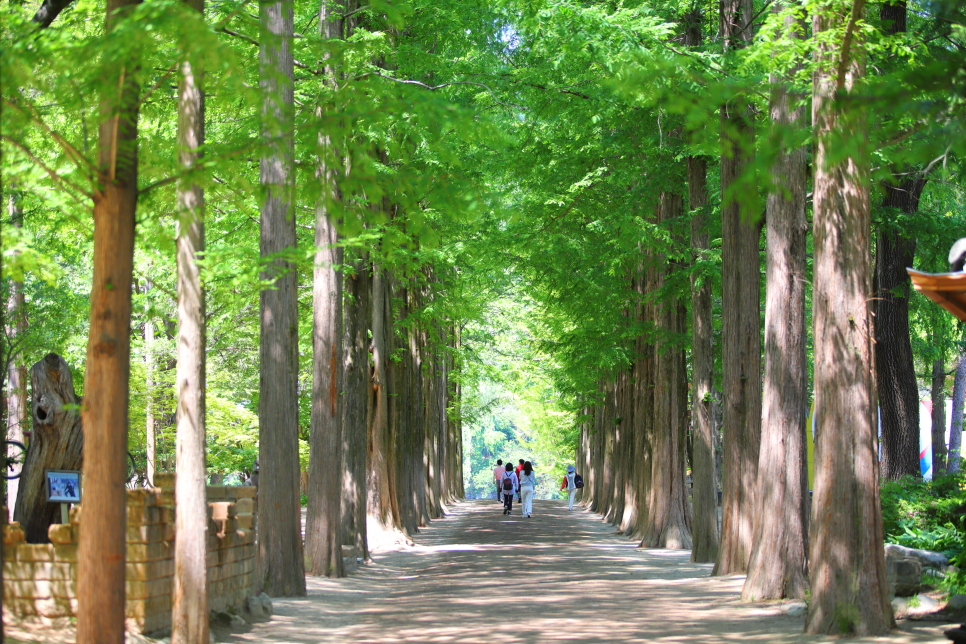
(57, 443)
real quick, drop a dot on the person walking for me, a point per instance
(511, 485)
(498, 479)
(528, 482)
(570, 485)
(519, 468)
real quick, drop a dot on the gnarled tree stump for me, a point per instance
(57, 443)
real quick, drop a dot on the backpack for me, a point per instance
(578, 481)
(507, 483)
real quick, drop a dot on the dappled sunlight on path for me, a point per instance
(479, 576)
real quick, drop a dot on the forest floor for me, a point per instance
(478, 576)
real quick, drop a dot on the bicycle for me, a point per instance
(14, 453)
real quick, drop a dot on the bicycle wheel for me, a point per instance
(132, 470)
(14, 453)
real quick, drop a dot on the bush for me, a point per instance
(928, 515)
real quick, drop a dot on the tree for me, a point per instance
(189, 611)
(323, 537)
(15, 324)
(740, 311)
(847, 562)
(778, 566)
(102, 541)
(282, 567)
(938, 416)
(956, 415)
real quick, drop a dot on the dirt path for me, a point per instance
(478, 576)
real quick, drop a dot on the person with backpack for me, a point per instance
(572, 482)
(511, 484)
(528, 482)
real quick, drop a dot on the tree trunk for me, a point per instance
(151, 445)
(894, 369)
(16, 327)
(740, 318)
(938, 396)
(323, 531)
(355, 410)
(956, 415)
(282, 566)
(778, 567)
(669, 516)
(189, 611)
(704, 528)
(849, 591)
(57, 443)
(102, 541)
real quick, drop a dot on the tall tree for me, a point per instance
(669, 514)
(102, 540)
(150, 431)
(323, 537)
(846, 559)
(704, 528)
(956, 414)
(938, 416)
(282, 567)
(189, 610)
(740, 316)
(15, 324)
(778, 566)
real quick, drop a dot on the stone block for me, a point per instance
(242, 491)
(18, 570)
(52, 607)
(147, 515)
(148, 551)
(139, 590)
(217, 492)
(904, 576)
(145, 533)
(22, 606)
(245, 506)
(245, 537)
(60, 533)
(245, 521)
(63, 589)
(65, 553)
(168, 532)
(63, 571)
(13, 534)
(35, 552)
(28, 588)
(164, 480)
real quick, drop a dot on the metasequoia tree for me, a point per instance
(15, 323)
(740, 316)
(778, 564)
(849, 591)
(956, 414)
(189, 610)
(323, 531)
(280, 558)
(938, 416)
(102, 540)
(895, 372)
(704, 522)
(669, 514)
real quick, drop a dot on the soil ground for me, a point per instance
(479, 576)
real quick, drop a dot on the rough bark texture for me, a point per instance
(355, 410)
(282, 566)
(15, 323)
(57, 443)
(101, 549)
(669, 515)
(956, 415)
(938, 417)
(895, 373)
(151, 446)
(778, 567)
(189, 611)
(704, 526)
(740, 319)
(849, 591)
(323, 531)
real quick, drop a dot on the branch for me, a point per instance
(433, 88)
(857, 7)
(49, 11)
(51, 173)
(69, 149)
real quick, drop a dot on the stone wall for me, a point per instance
(40, 580)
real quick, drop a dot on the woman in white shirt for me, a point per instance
(569, 485)
(528, 481)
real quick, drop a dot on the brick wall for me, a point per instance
(39, 580)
